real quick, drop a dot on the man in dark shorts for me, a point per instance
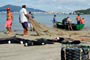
(78, 18)
(23, 18)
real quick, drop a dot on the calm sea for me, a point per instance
(41, 18)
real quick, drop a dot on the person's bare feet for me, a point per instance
(7, 32)
(26, 35)
(10, 33)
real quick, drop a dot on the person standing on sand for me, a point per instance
(78, 18)
(23, 19)
(9, 21)
(54, 20)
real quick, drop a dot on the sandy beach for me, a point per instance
(44, 29)
(44, 52)
(19, 52)
(82, 35)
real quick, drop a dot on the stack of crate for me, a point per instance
(73, 53)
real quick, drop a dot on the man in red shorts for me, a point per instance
(9, 21)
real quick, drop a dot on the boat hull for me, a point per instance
(74, 26)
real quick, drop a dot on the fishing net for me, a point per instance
(42, 29)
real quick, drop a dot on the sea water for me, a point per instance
(45, 19)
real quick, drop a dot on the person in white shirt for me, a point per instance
(23, 19)
(69, 21)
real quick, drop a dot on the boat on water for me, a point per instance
(74, 26)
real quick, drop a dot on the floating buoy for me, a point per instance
(57, 38)
(21, 42)
(9, 42)
(26, 44)
(43, 43)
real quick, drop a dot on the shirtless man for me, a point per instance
(9, 21)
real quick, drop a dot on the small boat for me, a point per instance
(74, 26)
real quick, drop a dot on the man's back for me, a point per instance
(78, 18)
(22, 16)
(64, 21)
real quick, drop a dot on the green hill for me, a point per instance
(86, 11)
(17, 8)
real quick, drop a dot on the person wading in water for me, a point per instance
(78, 18)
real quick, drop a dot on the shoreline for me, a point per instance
(75, 35)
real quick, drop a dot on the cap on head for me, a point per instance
(7, 9)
